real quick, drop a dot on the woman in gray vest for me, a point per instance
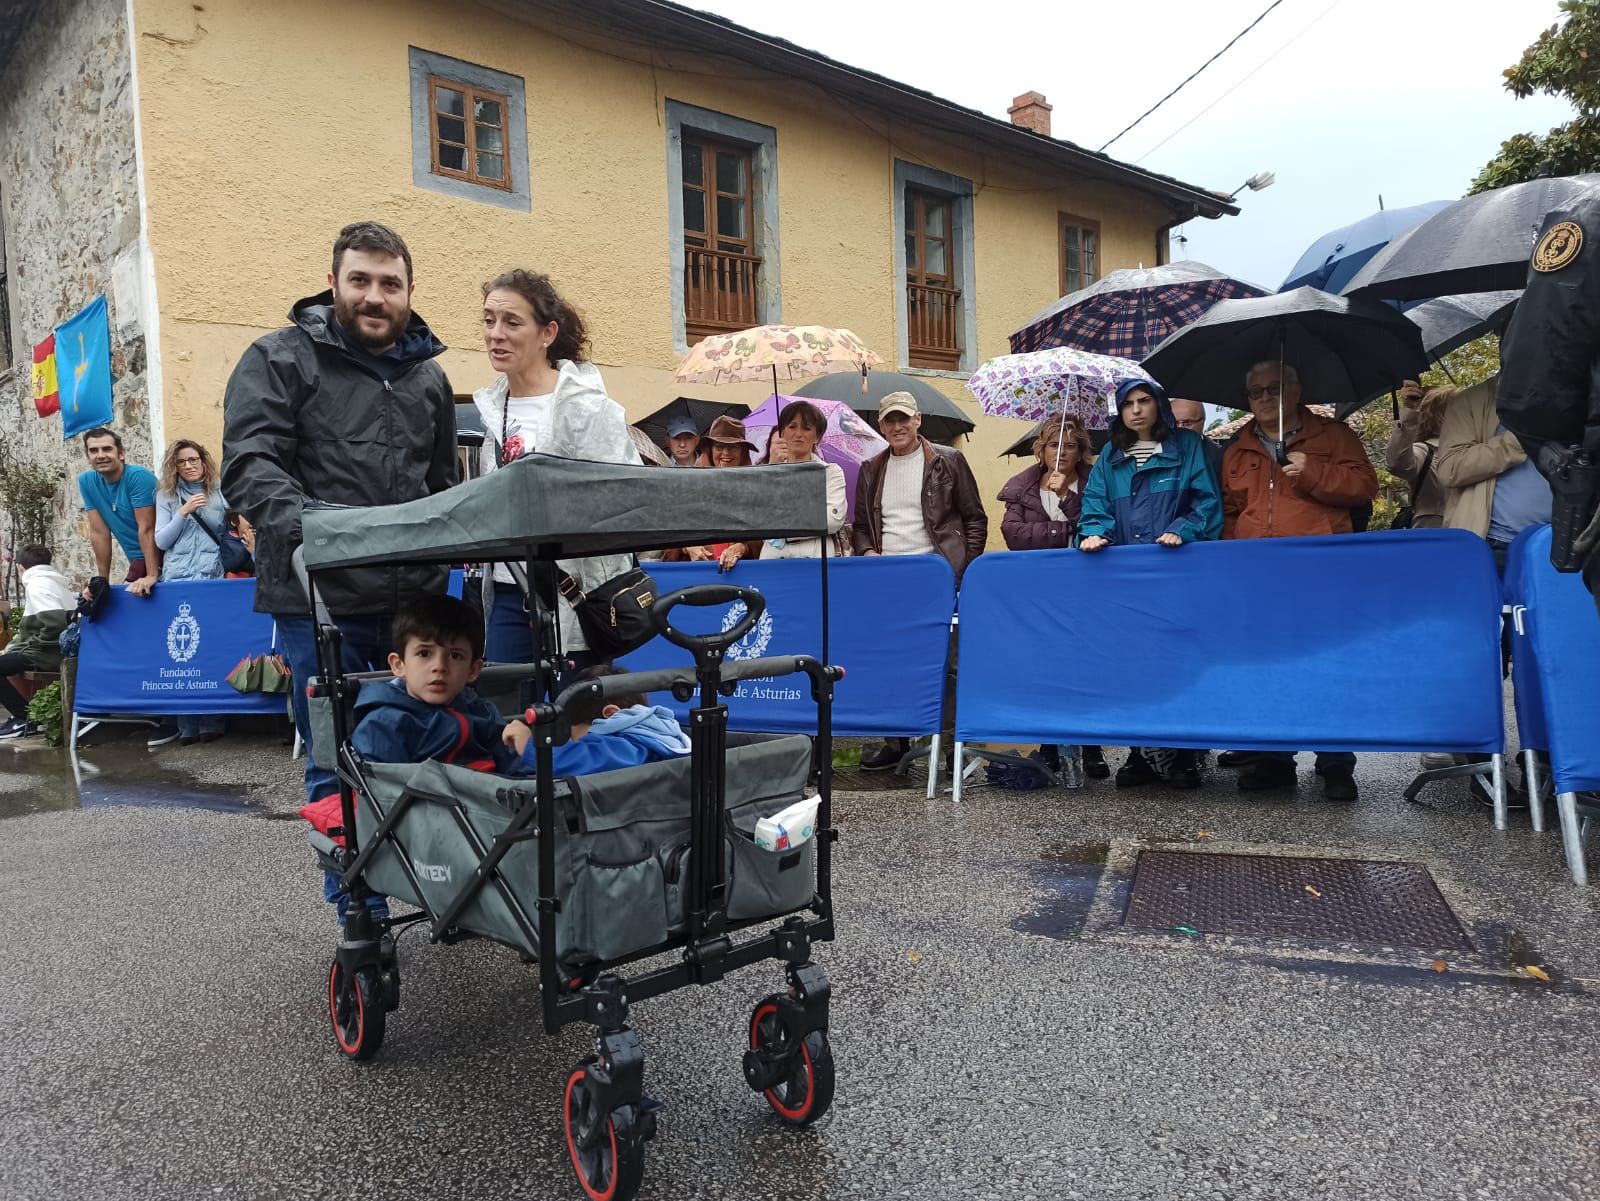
(191, 520)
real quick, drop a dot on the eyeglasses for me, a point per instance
(1264, 390)
(191, 461)
(1193, 423)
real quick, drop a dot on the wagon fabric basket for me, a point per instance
(622, 845)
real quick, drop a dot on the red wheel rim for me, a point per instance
(348, 1047)
(572, 1143)
(793, 1113)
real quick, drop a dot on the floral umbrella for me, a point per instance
(848, 440)
(1059, 380)
(771, 351)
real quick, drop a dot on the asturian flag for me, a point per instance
(83, 363)
(46, 396)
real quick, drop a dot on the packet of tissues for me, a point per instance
(788, 828)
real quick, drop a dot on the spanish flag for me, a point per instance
(46, 394)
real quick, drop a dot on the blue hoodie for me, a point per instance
(1173, 493)
(392, 726)
(629, 737)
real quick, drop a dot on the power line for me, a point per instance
(1245, 79)
(1202, 67)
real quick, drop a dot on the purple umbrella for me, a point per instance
(848, 440)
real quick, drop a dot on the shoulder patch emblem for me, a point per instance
(1558, 247)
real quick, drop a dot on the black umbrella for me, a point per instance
(1024, 444)
(701, 412)
(1450, 322)
(1346, 351)
(942, 418)
(1480, 244)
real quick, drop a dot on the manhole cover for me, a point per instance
(1335, 900)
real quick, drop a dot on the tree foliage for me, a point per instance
(1563, 61)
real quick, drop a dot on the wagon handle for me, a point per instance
(704, 596)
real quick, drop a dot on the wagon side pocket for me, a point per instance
(765, 883)
(619, 907)
(675, 873)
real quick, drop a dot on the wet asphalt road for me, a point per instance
(998, 1033)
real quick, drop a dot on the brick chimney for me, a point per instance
(1031, 111)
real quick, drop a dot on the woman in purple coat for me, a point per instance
(1042, 505)
(1042, 502)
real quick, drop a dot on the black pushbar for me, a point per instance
(704, 596)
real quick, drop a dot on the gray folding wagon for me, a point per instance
(582, 876)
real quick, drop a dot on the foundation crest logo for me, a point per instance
(754, 644)
(183, 635)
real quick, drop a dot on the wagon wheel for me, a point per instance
(607, 1152)
(806, 1091)
(358, 1017)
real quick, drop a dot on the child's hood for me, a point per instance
(46, 589)
(656, 723)
(392, 694)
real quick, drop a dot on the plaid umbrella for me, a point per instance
(1032, 386)
(1128, 313)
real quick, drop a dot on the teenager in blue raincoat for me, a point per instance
(1151, 485)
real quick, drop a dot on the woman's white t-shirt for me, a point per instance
(525, 416)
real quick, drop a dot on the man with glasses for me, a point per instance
(1290, 473)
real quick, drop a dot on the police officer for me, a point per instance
(1549, 393)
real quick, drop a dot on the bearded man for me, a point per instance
(344, 406)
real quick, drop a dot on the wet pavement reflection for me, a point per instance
(35, 778)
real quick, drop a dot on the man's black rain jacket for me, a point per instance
(307, 418)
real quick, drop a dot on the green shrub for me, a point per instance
(45, 709)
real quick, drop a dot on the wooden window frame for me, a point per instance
(470, 96)
(932, 358)
(1064, 221)
(745, 259)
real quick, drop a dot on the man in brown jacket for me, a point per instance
(915, 498)
(1310, 487)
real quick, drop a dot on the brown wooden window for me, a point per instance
(719, 259)
(1080, 252)
(468, 128)
(933, 302)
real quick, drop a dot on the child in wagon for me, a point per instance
(429, 710)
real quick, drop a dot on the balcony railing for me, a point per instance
(719, 291)
(931, 316)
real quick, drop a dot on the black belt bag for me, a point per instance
(615, 615)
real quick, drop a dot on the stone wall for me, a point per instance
(69, 207)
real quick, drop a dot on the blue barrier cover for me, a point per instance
(1526, 690)
(1565, 630)
(1384, 641)
(889, 629)
(171, 652)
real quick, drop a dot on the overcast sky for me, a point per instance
(1345, 100)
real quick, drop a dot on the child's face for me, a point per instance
(436, 672)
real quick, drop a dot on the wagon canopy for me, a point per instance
(548, 508)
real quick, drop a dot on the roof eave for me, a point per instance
(1187, 200)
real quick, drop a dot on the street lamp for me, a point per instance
(1261, 179)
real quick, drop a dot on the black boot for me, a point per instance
(1094, 763)
(1136, 772)
(1185, 771)
(887, 756)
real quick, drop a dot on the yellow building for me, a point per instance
(672, 171)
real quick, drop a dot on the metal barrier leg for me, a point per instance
(72, 751)
(1530, 781)
(933, 766)
(1498, 779)
(294, 752)
(1571, 839)
(958, 769)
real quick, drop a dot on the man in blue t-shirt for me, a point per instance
(120, 499)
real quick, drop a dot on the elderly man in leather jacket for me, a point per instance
(344, 406)
(915, 499)
(1550, 379)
